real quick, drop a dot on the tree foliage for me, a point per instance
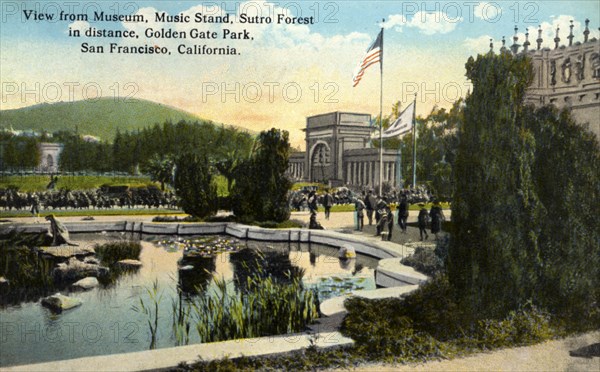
(525, 198)
(261, 186)
(136, 149)
(19, 152)
(566, 173)
(81, 155)
(436, 147)
(160, 169)
(194, 185)
(494, 251)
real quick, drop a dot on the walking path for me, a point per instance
(548, 356)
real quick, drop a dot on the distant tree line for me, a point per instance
(131, 152)
(18, 153)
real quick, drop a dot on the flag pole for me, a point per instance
(414, 183)
(381, 113)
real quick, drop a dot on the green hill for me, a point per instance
(100, 118)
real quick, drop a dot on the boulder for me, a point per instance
(91, 260)
(74, 270)
(86, 283)
(66, 251)
(59, 303)
(130, 263)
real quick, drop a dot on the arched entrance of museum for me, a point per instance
(320, 163)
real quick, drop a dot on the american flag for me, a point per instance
(374, 55)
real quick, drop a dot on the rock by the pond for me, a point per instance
(91, 260)
(67, 251)
(59, 302)
(186, 268)
(130, 262)
(86, 283)
(74, 270)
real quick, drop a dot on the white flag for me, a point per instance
(402, 125)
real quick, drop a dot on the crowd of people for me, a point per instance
(376, 208)
(11, 199)
(298, 199)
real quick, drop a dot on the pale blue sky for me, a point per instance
(298, 70)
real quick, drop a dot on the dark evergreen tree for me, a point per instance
(494, 258)
(567, 177)
(261, 185)
(194, 185)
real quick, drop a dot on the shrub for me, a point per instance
(424, 260)
(177, 219)
(110, 253)
(280, 225)
(382, 331)
(525, 326)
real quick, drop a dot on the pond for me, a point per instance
(107, 322)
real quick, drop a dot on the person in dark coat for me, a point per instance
(35, 206)
(390, 222)
(312, 202)
(382, 216)
(327, 203)
(359, 206)
(403, 213)
(313, 224)
(371, 203)
(437, 216)
(423, 220)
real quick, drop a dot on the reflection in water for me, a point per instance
(263, 264)
(196, 273)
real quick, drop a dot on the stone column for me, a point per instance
(373, 174)
(362, 172)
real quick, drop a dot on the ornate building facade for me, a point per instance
(567, 76)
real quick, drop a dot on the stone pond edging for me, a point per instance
(397, 279)
(389, 273)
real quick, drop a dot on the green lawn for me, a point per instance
(39, 182)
